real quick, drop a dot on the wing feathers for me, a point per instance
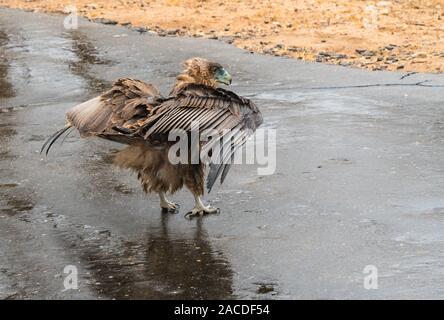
(126, 102)
(133, 111)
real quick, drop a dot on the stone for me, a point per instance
(365, 53)
(105, 21)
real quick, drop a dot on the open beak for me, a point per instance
(224, 77)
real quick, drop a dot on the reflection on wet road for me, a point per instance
(359, 179)
(87, 55)
(191, 268)
(6, 89)
(156, 266)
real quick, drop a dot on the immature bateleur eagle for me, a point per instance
(134, 113)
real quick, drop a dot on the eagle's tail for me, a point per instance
(48, 143)
(88, 117)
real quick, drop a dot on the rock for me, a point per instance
(368, 53)
(172, 31)
(420, 55)
(227, 39)
(391, 59)
(340, 56)
(324, 54)
(390, 47)
(332, 55)
(293, 49)
(141, 29)
(365, 53)
(105, 21)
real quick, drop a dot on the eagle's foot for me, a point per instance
(199, 211)
(168, 206)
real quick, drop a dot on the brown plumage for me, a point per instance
(134, 113)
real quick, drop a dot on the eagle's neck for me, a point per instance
(185, 79)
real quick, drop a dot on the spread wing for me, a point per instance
(215, 110)
(113, 114)
(135, 111)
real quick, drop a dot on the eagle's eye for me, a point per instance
(214, 68)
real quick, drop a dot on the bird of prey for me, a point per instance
(136, 114)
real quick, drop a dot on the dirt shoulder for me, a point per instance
(380, 35)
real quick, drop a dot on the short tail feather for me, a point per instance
(53, 139)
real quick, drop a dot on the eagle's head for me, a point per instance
(203, 71)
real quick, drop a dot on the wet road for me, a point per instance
(359, 179)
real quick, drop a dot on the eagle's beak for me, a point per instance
(223, 76)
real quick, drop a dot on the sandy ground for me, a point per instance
(376, 35)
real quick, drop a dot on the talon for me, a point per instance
(170, 210)
(168, 206)
(189, 215)
(200, 211)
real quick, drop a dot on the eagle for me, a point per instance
(135, 113)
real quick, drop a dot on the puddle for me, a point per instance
(87, 55)
(430, 208)
(6, 88)
(16, 205)
(291, 97)
(159, 266)
(6, 131)
(324, 103)
(8, 185)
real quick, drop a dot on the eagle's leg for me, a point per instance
(200, 209)
(166, 205)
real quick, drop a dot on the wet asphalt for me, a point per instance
(359, 178)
